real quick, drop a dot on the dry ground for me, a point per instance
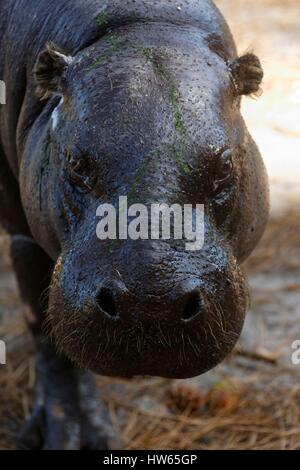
(251, 401)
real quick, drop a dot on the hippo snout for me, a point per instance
(148, 318)
(183, 304)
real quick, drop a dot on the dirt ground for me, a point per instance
(252, 400)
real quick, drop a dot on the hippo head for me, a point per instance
(158, 120)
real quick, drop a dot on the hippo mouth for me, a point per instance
(158, 350)
(130, 346)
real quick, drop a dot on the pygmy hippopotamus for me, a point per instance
(108, 98)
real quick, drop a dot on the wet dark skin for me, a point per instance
(108, 99)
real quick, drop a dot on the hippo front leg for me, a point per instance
(66, 413)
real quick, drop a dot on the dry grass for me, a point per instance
(259, 422)
(262, 419)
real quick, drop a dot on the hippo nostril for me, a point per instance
(106, 302)
(192, 307)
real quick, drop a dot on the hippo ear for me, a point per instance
(247, 74)
(49, 71)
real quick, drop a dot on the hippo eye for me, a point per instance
(80, 172)
(224, 171)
